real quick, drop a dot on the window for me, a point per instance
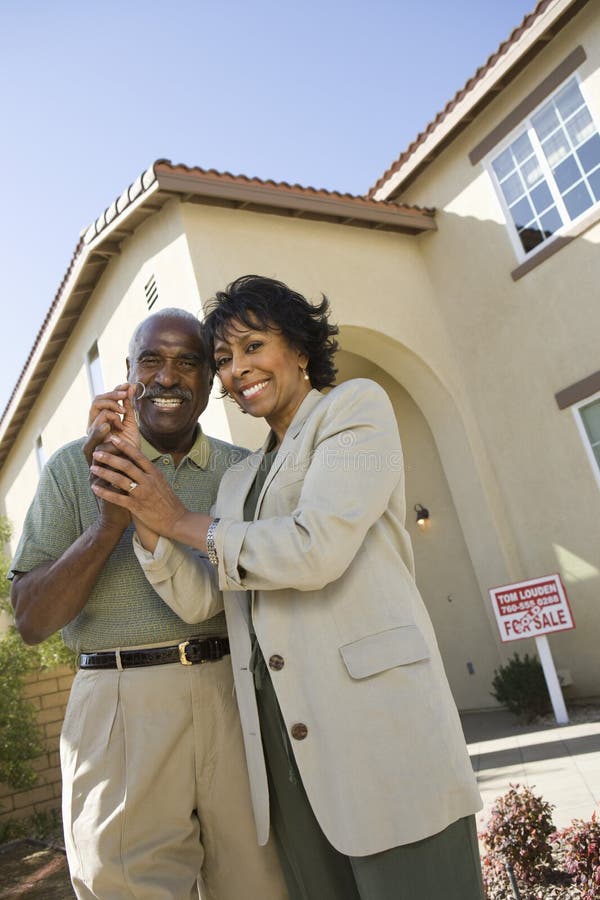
(588, 418)
(40, 453)
(94, 371)
(548, 175)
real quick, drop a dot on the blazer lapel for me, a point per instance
(287, 445)
(235, 485)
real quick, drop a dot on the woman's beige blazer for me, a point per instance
(327, 570)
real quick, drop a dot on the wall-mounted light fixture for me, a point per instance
(422, 515)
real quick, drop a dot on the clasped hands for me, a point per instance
(125, 482)
(132, 482)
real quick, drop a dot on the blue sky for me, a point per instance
(325, 93)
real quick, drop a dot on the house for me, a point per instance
(465, 282)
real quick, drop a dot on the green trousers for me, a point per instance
(445, 866)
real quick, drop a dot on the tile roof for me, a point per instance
(564, 12)
(260, 193)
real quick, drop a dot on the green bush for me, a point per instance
(20, 736)
(20, 739)
(521, 687)
(5, 532)
(45, 825)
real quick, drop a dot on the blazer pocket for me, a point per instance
(385, 650)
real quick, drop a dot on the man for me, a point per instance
(156, 800)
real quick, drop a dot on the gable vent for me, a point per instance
(151, 292)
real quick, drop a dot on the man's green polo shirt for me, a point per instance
(123, 610)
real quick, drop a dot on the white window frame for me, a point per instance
(93, 364)
(570, 227)
(40, 453)
(576, 408)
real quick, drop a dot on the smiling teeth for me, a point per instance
(167, 402)
(251, 391)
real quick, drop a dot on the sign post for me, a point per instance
(534, 609)
(554, 689)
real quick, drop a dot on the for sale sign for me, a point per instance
(531, 608)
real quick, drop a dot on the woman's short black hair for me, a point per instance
(268, 304)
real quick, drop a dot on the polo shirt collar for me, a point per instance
(198, 453)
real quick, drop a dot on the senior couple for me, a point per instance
(261, 709)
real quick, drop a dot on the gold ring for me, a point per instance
(132, 486)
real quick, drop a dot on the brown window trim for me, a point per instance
(541, 256)
(578, 391)
(563, 240)
(528, 104)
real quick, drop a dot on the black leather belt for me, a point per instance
(188, 653)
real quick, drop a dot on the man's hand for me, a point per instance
(108, 408)
(114, 413)
(111, 413)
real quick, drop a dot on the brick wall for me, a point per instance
(48, 690)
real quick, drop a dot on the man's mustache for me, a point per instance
(176, 393)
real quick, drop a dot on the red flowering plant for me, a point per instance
(580, 850)
(518, 836)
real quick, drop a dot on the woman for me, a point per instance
(370, 789)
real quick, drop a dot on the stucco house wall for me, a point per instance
(520, 342)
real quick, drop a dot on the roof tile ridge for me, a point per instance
(255, 179)
(137, 187)
(293, 187)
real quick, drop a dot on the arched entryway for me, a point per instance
(445, 572)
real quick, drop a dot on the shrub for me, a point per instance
(521, 687)
(45, 825)
(5, 532)
(20, 739)
(496, 882)
(581, 845)
(20, 735)
(518, 833)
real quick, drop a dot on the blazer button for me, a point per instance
(276, 662)
(299, 731)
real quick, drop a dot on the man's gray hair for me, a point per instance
(172, 312)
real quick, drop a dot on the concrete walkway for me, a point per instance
(559, 763)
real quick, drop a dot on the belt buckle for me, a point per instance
(182, 657)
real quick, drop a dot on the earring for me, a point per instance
(305, 373)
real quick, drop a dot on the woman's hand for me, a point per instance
(127, 479)
(132, 482)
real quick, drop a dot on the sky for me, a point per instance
(322, 93)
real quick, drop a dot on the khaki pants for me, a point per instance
(156, 801)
